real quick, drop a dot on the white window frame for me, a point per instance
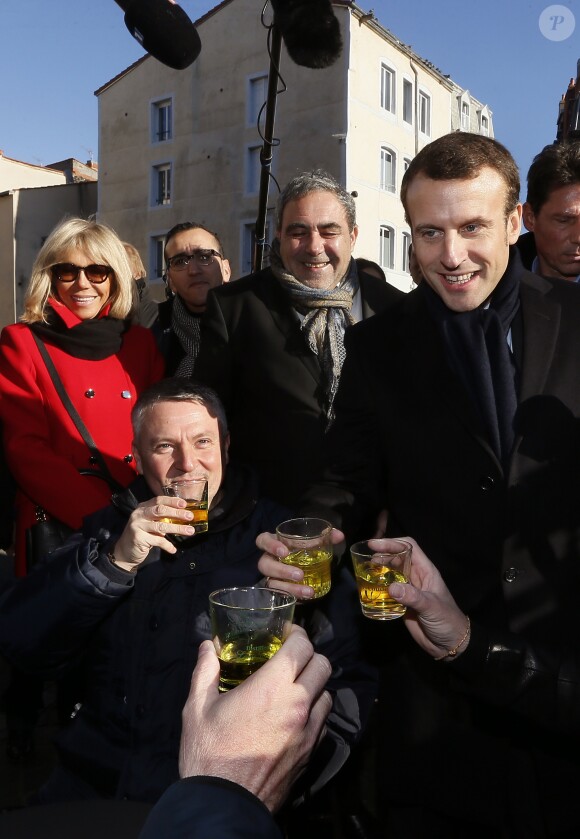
(406, 164)
(156, 259)
(405, 242)
(157, 107)
(385, 250)
(247, 242)
(162, 171)
(388, 177)
(257, 93)
(484, 114)
(424, 124)
(408, 102)
(388, 99)
(252, 169)
(465, 115)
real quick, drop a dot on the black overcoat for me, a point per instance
(507, 543)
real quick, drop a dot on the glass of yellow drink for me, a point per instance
(308, 541)
(249, 625)
(378, 563)
(194, 491)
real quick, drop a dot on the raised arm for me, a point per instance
(48, 617)
(244, 749)
(539, 680)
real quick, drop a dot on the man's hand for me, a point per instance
(145, 530)
(261, 733)
(381, 524)
(436, 622)
(278, 574)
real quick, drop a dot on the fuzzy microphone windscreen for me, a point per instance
(164, 30)
(310, 30)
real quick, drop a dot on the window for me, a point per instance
(388, 169)
(162, 184)
(407, 101)
(484, 125)
(156, 263)
(387, 247)
(424, 113)
(388, 79)
(253, 169)
(406, 163)
(465, 116)
(248, 247)
(162, 121)
(405, 245)
(257, 95)
(249, 244)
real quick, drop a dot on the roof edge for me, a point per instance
(143, 58)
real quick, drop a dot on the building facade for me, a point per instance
(184, 145)
(33, 199)
(568, 123)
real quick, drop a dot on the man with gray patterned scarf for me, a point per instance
(272, 342)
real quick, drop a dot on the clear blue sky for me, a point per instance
(55, 53)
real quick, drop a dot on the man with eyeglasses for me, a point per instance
(195, 264)
(272, 342)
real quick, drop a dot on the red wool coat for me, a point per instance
(43, 447)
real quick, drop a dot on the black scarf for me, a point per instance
(187, 329)
(477, 351)
(92, 340)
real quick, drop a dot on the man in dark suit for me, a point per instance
(460, 407)
(195, 264)
(272, 342)
(552, 213)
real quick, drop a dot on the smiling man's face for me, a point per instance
(461, 235)
(180, 441)
(315, 242)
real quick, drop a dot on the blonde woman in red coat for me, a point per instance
(80, 303)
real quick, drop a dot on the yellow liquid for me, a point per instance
(199, 510)
(376, 602)
(315, 562)
(243, 655)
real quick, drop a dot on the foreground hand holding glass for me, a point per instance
(249, 625)
(309, 543)
(378, 563)
(194, 491)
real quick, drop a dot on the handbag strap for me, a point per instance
(74, 415)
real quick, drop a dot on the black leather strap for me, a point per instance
(103, 469)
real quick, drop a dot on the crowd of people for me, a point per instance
(448, 416)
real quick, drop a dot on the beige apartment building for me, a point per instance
(33, 199)
(184, 145)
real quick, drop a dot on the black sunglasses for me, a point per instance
(66, 272)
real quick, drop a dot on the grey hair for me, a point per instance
(315, 181)
(179, 390)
